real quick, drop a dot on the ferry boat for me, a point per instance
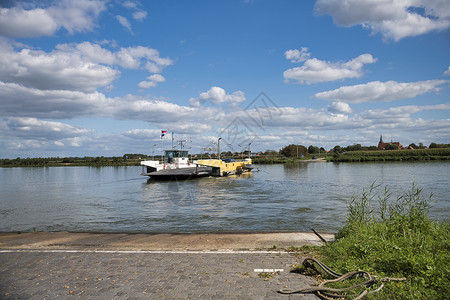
(176, 164)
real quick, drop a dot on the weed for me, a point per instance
(395, 239)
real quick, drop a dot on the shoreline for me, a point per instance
(63, 240)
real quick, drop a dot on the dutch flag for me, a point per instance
(163, 133)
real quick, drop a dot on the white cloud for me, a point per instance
(400, 112)
(377, 91)
(340, 108)
(296, 56)
(314, 70)
(217, 95)
(32, 128)
(21, 101)
(394, 19)
(152, 81)
(17, 22)
(306, 119)
(74, 16)
(139, 15)
(130, 4)
(188, 128)
(54, 70)
(143, 133)
(18, 100)
(447, 73)
(77, 16)
(124, 22)
(83, 67)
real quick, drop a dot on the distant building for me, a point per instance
(382, 145)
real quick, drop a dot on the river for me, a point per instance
(293, 197)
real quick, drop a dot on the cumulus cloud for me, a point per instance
(447, 73)
(315, 70)
(296, 56)
(124, 22)
(189, 128)
(76, 67)
(217, 95)
(394, 19)
(74, 16)
(401, 111)
(340, 108)
(32, 128)
(34, 137)
(18, 100)
(139, 15)
(17, 22)
(377, 91)
(143, 133)
(306, 119)
(152, 81)
(138, 57)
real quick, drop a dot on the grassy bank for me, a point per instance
(393, 238)
(68, 161)
(392, 155)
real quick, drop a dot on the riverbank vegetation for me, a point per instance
(288, 154)
(392, 238)
(391, 155)
(98, 161)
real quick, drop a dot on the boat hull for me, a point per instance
(181, 173)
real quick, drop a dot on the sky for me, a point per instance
(104, 78)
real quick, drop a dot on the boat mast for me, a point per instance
(218, 147)
(172, 140)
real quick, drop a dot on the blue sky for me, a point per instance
(88, 78)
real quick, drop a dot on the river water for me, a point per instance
(293, 197)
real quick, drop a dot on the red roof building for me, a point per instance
(382, 145)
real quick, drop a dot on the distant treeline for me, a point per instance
(125, 160)
(288, 154)
(392, 155)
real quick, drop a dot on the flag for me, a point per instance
(163, 133)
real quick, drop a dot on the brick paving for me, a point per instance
(148, 275)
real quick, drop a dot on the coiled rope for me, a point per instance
(328, 293)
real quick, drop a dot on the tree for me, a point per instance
(434, 145)
(355, 147)
(392, 147)
(337, 149)
(313, 149)
(414, 146)
(292, 150)
(270, 152)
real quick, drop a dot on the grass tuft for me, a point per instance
(394, 238)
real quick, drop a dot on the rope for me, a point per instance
(328, 293)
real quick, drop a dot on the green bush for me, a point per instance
(394, 238)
